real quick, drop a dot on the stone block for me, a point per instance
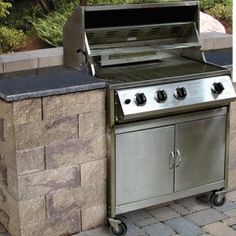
(230, 213)
(94, 195)
(137, 215)
(18, 62)
(3, 174)
(145, 222)
(9, 212)
(164, 213)
(180, 209)
(158, 229)
(93, 172)
(75, 151)
(205, 217)
(39, 184)
(50, 60)
(75, 103)
(91, 124)
(12, 184)
(101, 231)
(94, 217)
(192, 204)
(231, 196)
(64, 225)
(64, 202)
(226, 207)
(230, 221)
(184, 227)
(219, 229)
(30, 160)
(133, 229)
(27, 111)
(42, 133)
(32, 211)
(6, 111)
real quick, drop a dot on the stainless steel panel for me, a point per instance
(143, 164)
(170, 120)
(201, 157)
(169, 197)
(198, 94)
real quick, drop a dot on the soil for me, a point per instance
(34, 43)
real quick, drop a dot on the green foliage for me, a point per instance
(11, 39)
(50, 28)
(220, 9)
(222, 12)
(4, 7)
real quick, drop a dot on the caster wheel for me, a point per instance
(214, 200)
(121, 231)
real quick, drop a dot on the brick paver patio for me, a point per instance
(186, 217)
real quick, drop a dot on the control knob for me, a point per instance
(140, 99)
(180, 93)
(161, 96)
(217, 88)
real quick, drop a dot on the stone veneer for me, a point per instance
(53, 164)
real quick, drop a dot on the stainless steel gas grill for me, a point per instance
(167, 109)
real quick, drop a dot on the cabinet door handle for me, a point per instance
(172, 160)
(178, 158)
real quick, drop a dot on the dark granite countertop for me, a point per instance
(45, 82)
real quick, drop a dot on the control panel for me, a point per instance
(157, 99)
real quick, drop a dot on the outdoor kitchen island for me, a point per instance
(52, 152)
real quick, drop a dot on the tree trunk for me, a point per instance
(47, 5)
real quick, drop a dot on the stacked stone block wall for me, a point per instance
(53, 164)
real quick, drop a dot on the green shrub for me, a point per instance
(11, 39)
(49, 29)
(222, 12)
(4, 7)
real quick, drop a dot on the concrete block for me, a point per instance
(30, 160)
(226, 207)
(230, 221)
(146, 222)
(42, 133)
(192, 204)
(94, 172)
(164, 213)
(68, 201)
(75, 151)
(27, 111)
(18, 62)
(179, 209)
(137, 215)
(184, 227)
(230, 213)
(91, 124)
(219, 229)
(32, 211)
(231, 196)
(65, 225)
(94, 217)
(158, 229)
(206, 217)
(76, 103)
(39, 184)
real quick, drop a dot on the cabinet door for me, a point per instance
(201, 145)
(143, 164)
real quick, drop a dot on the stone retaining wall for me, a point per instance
(53, 164)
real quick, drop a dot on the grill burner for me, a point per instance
(167, 108)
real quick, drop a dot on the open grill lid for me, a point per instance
(118, 34)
